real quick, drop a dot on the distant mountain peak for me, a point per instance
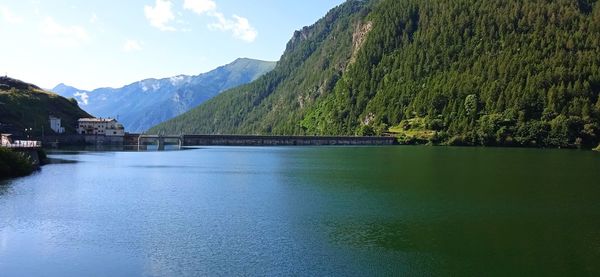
(145, 103)
(63, 87)
(247, 60)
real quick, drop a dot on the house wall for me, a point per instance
(108, 128)
(5, 140)
(56, 126)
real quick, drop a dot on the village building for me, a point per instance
(5, 140)
(55, 125)
(100, 126)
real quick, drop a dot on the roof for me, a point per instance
(96, 120)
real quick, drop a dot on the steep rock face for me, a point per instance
(358, 38)
(462, 72)
(149, 102)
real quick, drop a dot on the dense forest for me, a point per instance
(461, 72)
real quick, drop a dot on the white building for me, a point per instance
(5, 140)
(100, 126)
(55, 125)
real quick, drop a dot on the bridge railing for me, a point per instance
(23, 144)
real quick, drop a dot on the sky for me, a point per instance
(90, 44)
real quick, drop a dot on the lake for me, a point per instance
(309, 211)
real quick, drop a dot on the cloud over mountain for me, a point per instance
(160, 15)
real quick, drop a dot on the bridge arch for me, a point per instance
(160, 140)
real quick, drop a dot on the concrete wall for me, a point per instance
(131, 139)
(63, 140)
(240, 140)
(236, 140)
(104, 140)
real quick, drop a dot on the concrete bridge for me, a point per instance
(159, 139)
(256, 140)
(252, 140)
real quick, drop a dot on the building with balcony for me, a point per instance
(100, 126)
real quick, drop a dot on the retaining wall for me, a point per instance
(241, 140)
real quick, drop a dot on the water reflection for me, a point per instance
(117, 148)
(4, 187)
(305, 211)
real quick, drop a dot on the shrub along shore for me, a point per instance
(15, 164)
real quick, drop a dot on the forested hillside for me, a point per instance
(143, 104)
(458, 72)
(26, 106)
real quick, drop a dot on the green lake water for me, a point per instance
(308, 211)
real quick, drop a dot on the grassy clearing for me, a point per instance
(414, 131)
(30, 108)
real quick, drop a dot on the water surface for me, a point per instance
(305, 211)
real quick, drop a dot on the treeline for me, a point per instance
(314, 60)
(476, 72)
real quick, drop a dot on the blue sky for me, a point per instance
(109, 43)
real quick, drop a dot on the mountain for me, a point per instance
(143, 104)
(23, 105)
(457, 72)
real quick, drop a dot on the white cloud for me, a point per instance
(239, 26)
(64, 36)
(132, 45)
(200, 6)
(93, 18)
(160, 15)
(9, 16)
(83, 96)
(35, 4)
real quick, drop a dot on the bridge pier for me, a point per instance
(161, 143)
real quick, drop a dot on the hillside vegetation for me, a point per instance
(14, 164)
(143, 104)
(457, 72)
(24, 106)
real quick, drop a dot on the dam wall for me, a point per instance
(246, 140)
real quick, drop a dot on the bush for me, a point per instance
(458, 140)
(366, 131)
(42, 156)
(13, 164)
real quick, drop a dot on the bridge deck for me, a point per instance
(258, 140)
(191, 140)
